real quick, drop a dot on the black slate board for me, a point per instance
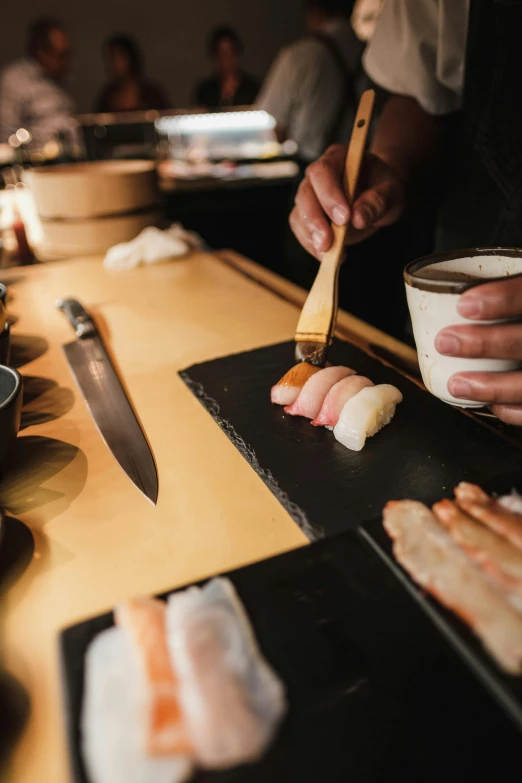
(505, 689)
(375, 692)
(426, 450)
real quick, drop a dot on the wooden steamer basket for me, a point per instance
(85, 208)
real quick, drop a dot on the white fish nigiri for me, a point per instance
(513, 502)
(113, 736)
(365, 414)
(313, 393)
(286, 390)
(231, 699)
(337, 397)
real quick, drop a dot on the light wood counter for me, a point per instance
(96, 539)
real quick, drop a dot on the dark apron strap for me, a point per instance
(483, 204)
(348, 99)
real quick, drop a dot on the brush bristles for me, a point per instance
(313, 353)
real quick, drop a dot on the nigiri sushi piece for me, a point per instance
(231, 698)
(143, 621)
(313, 393)
(433, 560)
(365, 414)
(493, 552)
(286, 391)
(112, 738)
(513, 501)
(337, 397)
(490, 512)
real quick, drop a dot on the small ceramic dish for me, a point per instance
(4, 327)
(433, 286)
(10, 411)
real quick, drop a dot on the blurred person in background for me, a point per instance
(230, 85)
(32, 95)
(310, 88)
(128, 89)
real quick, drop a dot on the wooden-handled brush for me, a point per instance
(317, 321)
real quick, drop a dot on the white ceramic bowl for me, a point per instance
(433, 287)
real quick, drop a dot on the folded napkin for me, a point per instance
(151, 246)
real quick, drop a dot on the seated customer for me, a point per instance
(230, 86)
(32, 95)
(128, 89)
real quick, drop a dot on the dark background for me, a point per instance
(172, 34)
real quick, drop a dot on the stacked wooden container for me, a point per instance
(85, 208)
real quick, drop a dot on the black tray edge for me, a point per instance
(312, 532)
(435, 613)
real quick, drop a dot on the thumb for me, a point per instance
(377, 206)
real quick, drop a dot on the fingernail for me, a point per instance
(459, 387)
(470, 306)
(447, 344)
(317, 239)
(340, 215)
(361, 218)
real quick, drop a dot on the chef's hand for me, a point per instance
(320, 199)
(498, 341)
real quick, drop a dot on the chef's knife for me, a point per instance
(107, 401)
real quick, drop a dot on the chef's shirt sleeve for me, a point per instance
(418, 50)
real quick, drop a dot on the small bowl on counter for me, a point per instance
(4, 327)
(10, 411)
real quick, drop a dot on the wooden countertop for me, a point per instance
(96, 539)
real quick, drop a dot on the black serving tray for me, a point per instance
(426, 450)
(375, 692)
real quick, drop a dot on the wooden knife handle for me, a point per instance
(317, 320)
(78, 317)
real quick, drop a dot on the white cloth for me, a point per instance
(151, 246)
(418, 50)
(304, 89)
(29, 99)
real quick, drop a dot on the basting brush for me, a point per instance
(317, 320)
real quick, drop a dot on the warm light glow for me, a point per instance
(13, 140)
(224, 121)
(23, 136)
(19, 199)
(51, 149)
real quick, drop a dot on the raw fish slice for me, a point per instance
(143, 621)
(500, 559)
(365, 414)
(111, 719)
(431, 557)
(313, 393)
(231, 698)
(512, 502)
(337, 397)
(490, 512)
(286, 391)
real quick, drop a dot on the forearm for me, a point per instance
(407, 138)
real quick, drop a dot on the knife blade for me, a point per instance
(107, 401)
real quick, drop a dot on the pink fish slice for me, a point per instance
(336, 398)
(313, 393)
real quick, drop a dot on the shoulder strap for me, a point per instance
(348, 92)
